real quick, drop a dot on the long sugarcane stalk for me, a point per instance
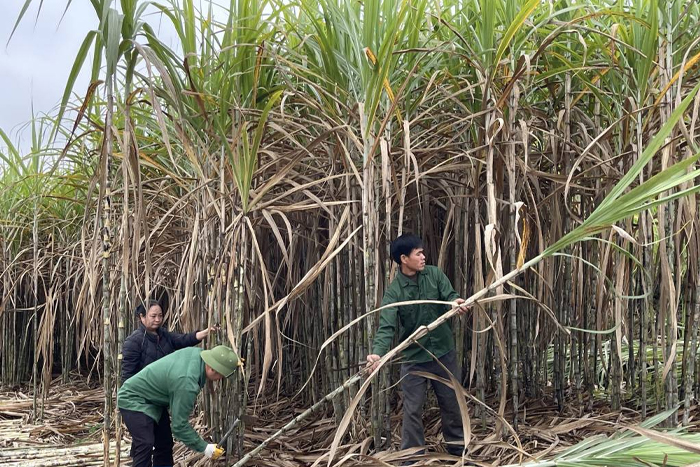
(35, 316)
(644, 275)
(369, 254)
(566, 279)
(7, 344)
(512, 312)
(667, 250)
(106, 291)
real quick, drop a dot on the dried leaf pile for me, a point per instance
(542, 433)
(69, 433)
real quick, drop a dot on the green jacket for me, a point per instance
(173, 383)
(432, 284)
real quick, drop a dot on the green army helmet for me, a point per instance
(222, 359)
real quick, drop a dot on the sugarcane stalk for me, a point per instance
(492, 243)
(578, 337)
(385, 380)
(666, 248)
(363, 345)
(339, 315)
(567, 155)
(121, 320)
(213, 403)
(369, 256)
(478, 359)
(593, 342)
(240, 385)
(461, 251)
(8, 344)
(688, 349)
(657, 330)
(512, 312)
(35, 315)
(631, 308)
(616, 351)
(332, 367)
(65, 350)
(645, 274)
(106, 255)
(347, 308)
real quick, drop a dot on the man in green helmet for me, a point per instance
(171, 384)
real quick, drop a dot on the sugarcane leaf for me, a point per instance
(19, 19)
(74, 72)
(525, 11)
(654, 145)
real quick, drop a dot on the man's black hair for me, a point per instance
(404, 245)
(142, 309)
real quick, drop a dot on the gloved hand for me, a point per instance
(213, 451)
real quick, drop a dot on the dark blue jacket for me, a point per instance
(142, 348)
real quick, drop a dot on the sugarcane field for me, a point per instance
(304, 233)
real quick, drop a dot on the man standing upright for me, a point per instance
(416, 281)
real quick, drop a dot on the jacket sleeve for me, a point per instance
(131, 358)
(180, 341)
(447, 292)
(387, 325)
(181, 406)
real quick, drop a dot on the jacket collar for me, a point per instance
(405, 281)
(150, 336)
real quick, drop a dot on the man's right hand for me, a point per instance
(372, 361)
(213, 451)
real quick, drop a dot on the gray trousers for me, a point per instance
(414, 392)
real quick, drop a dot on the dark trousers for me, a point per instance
(414, 392)
(151, 442)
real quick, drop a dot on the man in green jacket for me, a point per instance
(416, 281)
(171, 384)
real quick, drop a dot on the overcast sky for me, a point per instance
(35, 65)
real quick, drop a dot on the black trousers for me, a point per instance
(414, 391)
(151, 442)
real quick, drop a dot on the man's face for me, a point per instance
(414, 262)
(212, 374)
(153, 318)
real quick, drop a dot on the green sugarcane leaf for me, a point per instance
(525, 11)
(649, 152)
(74, 72)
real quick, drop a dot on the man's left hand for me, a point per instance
(462, 309)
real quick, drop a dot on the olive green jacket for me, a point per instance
(171, 383)
(432, 284)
